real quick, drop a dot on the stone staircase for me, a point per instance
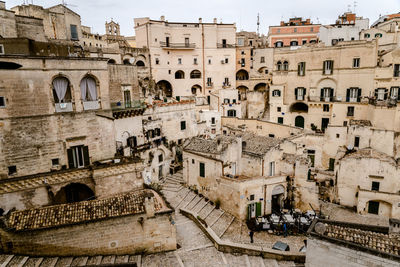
(181, 197)
(26, 261)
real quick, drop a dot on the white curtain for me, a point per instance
(88, 88)
(60, 85)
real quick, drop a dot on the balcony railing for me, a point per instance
(64, 107)
(177, 45)
(226, 45)
(91, 105)
(134, 104)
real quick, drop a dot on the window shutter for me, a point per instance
(323, 67)
(298, 69)
(86, 156)
(348, 95)
(331, 92)
(70, 159)
(296, 92)
(332, 67)
(386, 94)
(258, 209)
(304, 91)
(359, 95)
(376, 93)
(322, 93)
(398, 93)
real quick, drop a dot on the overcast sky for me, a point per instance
(95, 12)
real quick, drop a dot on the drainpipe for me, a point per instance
(202, 51)
(262, 167)
(222, 166)
(265, 198)
(148, 47)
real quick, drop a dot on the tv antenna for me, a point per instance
(258, 24)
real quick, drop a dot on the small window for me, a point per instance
(356, 62)
(344, 123)
(350, 111)
(160, 158)
(2, 102)
(331, 164)
(280, 120)
(251, 197)
(226, 60)
(271, 135)
(202, 169)
(212, 120)
(357, 141)
(158, 62)
(367, 35)
(295, 30)
(231, 113)
(183, 125)
(74, 32)
(179, 61)
(326, 108)
(192, 161)
(373, 207)
(209, 81)
(375, 186)
(327, 67)
(396, 72)
(1, 49)
(301, 69)
(378, 35)
(262, 60)
(272, 168)
(278, 109)
(195, 61)
(12, 170)
(226, 101)
(209, 62)
(276, 93)
(55, 162)
(337, 135)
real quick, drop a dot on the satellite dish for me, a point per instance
(132, 60)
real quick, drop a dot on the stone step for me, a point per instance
(179, 197)
(193, 203)
(108, 260)
(17, 261)
(214, 216)
(256, 261)
(64, 261)
(222, 224)
(189, 197)
(94, 260)
(52, 261)
(169, 181)
(35, 261)
(174, 179)
(200, 205)
(5, 259)
(80, 261)
(171, 188)
(206, 210)
(234, 260)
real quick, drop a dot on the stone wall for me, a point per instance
(323, 253)
(117, 236)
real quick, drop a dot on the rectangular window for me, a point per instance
(209, 81)
(226, 81)
(2, 102)
(212, 120)
(381, 94)
(278, 109)
(328, 67)
(375, 186)
(157, 61)
(394, 93)
(1, 49)
(299, 93)
(262, 60)
(326, 94)
(373, 207)
(160, 158)
(331, 164)
(209, 62)
(301, 69)
(55, 162)
(192, 161)
(357, 141)
(186, 42)
(179, 61)
(202, 169)
(78, 157)
(311, 156)
(167, 41)
(74, 32)
(280, 120)
(195, 61)
(350, 111)
(183, 125)
(251, 197)
(326, 107)
(226, 101)
(304, 42)
(224, 43)
(12, 170)
(356, 62)
(226, 60)
(353, 95)
(127, 98)
(396, 70)
(272, 168)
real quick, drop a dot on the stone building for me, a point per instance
(295, 32)
(189, 58)
(134, 222)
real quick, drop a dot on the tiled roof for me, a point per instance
(361, 122)
(258, 145)
(202, 145)
(369, 237)
(370, 153)
(85, 211)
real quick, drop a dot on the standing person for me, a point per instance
(284, 230)
(251, 234)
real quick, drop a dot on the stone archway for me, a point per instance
(165, 87)
(299, 121)
(73, 192)
(278, 195)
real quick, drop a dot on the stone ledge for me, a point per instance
(251, 250)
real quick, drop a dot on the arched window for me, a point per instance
(279, 66)
(242, 75)
(279, 44)
(367, 35)
(127, 61)
(294, 43)
(61, 90)
(140, 63)
(111, 61)
(195, 74)
(88, 89)
(285, 66)
(378, 35)
(179, 75)
(276, 93)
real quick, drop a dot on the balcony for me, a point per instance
(91, 105)
(226, 45)
(64, 107)
(184, 46)
(134, 104)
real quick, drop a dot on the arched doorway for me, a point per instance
(278, 195)
(299, 121)
(242, 92)
(242, 75)
(179, 74)
(73, 192)
(299, 107)
(261, 87)
(165, 87)
(196, 89)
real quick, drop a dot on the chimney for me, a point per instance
(215, 20)
(2, 5)
(149, 206)
(200, 20)
(162, 18)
